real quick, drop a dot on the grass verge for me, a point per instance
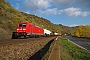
(69, 51)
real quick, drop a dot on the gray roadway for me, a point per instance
(85, 43)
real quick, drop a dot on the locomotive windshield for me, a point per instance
(22, 25)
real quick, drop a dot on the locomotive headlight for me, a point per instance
(24, 29)
(17, 29)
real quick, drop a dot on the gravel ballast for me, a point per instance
(21, 49)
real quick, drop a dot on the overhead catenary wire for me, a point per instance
(33, 4)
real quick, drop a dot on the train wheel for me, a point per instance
(25, 36)
(14, 35)
(31, 36)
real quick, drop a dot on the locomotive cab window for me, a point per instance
(22, 25)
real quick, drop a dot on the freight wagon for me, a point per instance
(47, 32)
(27, 29)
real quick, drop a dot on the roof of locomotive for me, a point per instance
(29, 23)
(25, 23)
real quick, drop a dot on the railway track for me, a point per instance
(22, 40)
(21, 49)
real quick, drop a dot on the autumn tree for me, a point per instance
(79, 31)
(86, 31)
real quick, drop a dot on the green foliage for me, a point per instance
(10, 25)
(1, 10)
(2, 31)
(69, 51)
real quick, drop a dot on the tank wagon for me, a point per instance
(27, 29)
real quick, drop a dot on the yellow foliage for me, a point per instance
(82, 31)
(79, 31)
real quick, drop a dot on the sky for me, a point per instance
(65, 12)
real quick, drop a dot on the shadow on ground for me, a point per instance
(38, 55)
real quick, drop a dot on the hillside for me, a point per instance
(9, 18)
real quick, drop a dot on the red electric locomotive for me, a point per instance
(27, 29)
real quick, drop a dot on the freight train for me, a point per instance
(27, 29)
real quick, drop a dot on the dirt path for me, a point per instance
(55, 54)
